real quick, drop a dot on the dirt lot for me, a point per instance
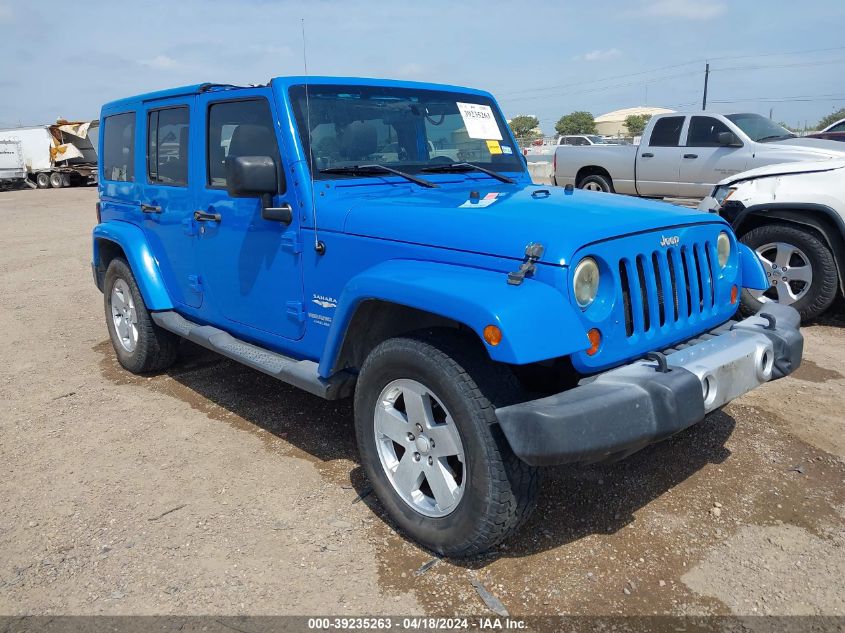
(214, 489)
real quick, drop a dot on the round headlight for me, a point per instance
(723, 249)
(586, 282)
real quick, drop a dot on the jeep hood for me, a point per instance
(502, 220)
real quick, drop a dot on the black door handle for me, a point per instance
(202, 216)
(690, 155)
(150, 208)
(648, 155)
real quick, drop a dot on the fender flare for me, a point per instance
(795, 212)
(751, 272)
(537, 322)
(143, 263)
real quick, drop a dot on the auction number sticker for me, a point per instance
(479, 121)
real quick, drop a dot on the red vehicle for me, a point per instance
(835, 132)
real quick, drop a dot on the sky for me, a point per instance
(539, 57)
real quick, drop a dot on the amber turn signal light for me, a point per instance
(595, 341)
(493, 335)
(734, 295)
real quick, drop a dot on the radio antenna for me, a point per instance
(318, 245)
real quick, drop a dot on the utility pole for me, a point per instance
(706, 77)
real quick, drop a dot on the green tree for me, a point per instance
(831, 118)
(525, 127)
(635, 123)
(576, 123)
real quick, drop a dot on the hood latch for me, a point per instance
(533, 253)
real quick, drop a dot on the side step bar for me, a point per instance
(299, 373)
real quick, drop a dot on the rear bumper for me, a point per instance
(622, 410)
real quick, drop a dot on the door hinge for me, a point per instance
(195, 282)
(290, 242)
(295, 311)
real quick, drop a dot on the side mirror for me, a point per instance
(257, 176)
(251, 176)
(729, 139)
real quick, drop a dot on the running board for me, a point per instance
(299, 373)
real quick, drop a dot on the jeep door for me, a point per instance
(250, 268)
(705, 161)
(657, 162)
(166, 200)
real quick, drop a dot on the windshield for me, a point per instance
(402, 128)
(759, 128)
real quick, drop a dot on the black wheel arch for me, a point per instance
(592, 170)
(105, 251)
(375, 321)
(821, 219)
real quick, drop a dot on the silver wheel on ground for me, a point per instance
(596, 182)
(124, 315)
(419, 448)
(788, 270)
(57, 180)
(42, 180)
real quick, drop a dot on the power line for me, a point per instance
(804, 52)
(681, 65)
(770, 66)
(580, 83)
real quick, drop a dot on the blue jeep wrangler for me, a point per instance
(382, 240)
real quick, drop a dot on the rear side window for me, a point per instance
(119, 147)
(704, 131)
(839, 127)
(167, 146)
(238, 128)
(667, 132)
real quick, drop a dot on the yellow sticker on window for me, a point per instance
(494, 147)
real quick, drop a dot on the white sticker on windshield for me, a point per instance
(479, 121)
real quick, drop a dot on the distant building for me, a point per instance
(613, 123)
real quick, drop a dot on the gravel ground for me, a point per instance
(214, 489)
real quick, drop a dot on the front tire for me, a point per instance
(431, 446)
(42, 180)
(799, 267)
(596, 182)
(141, 346)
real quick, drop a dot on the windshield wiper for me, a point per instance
(775, 137)
(363, 170)
(464, 167)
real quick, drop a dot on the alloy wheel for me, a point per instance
(419, 448)
(788, 270)
(124, 315)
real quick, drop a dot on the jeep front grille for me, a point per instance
(667, 286)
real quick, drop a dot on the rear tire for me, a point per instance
(596, 182)
(57, 180)
(42, 180)
(805, 256)
(141, 346)
(492, 491)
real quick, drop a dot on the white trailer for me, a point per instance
(58, 155)
(12, 166)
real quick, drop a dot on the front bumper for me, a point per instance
(622, 410)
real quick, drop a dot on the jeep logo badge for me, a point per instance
(672, 240)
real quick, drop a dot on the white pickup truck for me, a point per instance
(685, 155)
